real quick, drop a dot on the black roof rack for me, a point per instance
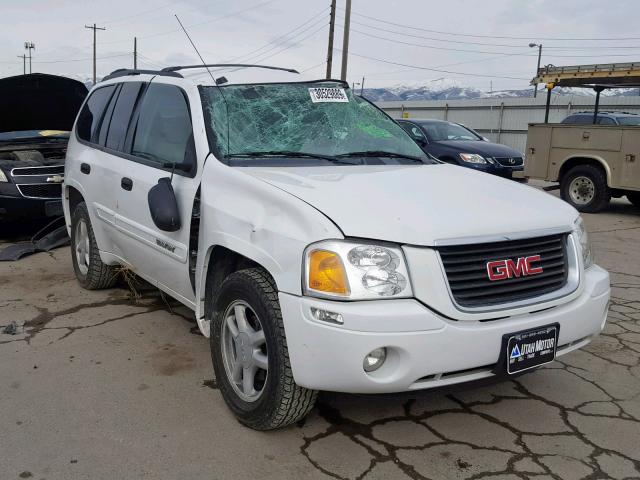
(216, 65)
(123, 72)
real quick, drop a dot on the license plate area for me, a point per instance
(529, 349)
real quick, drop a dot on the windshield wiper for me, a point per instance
(381, 153)
(286, 153)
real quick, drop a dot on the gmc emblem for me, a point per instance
(522, 267)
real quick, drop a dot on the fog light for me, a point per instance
(374, 360)
(326, 316)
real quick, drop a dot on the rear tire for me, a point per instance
(634, 198)
(585, 188)
(91, 272)
(255, 347)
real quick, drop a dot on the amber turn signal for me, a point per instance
(327, 273)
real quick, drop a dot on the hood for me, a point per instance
(420, 204)
(486, 149)
(39, 102)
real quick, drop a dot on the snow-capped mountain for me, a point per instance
(447, 89)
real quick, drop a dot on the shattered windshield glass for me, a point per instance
(319, 118)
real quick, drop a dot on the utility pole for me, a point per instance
(29, 46)
(24, 63)
(533, 45)
(332, 26)
(362, 87)
(345, 40)
(94, 28)
(135, 53)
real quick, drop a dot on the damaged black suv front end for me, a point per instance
(38, 112)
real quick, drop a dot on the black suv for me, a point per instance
(38, 111)
(459, 145)
(604, 118)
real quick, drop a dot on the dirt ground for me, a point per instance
(99, 385)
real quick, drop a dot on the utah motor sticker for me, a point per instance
(328, 94)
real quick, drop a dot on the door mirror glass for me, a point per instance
(163, 206)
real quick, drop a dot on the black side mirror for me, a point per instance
(163, 206)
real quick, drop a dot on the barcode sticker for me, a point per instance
(328, 94)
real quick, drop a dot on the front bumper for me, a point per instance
(20, 208)
(425, 350)
(495, 169)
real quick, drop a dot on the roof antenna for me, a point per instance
(223, 80)
(196, 49)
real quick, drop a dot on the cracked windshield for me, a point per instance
(305, 118)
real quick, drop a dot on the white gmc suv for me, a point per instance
(318, 246)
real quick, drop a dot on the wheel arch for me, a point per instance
(74, 197)
(575, 160)
(217, 264)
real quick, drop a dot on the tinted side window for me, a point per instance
(583, 119)
(101, 135)
(606, 121)
(91, 113)
(413, 131)
(164, 125)
(122, 115)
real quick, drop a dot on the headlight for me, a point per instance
(472, 158)
(355, 271)
(580, 232)
(3, 177)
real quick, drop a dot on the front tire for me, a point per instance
(250, 355)
(585, 188)
(91, 272)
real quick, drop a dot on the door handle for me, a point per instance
(630, 157)
(126, 183)
(85, 168)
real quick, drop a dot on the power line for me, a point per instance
(450, 49)
(215, 19)
(276, 41)
(83, 59)
(506, 45)
(528, 37)
(297, 44)
(419, 67)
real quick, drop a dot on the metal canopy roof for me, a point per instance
(609, 75)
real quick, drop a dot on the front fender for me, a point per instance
(260, 222)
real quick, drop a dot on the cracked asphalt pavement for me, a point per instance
(100, 385)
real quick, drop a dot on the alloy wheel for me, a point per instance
(244, 351)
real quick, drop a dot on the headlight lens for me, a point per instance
(355, 271)
(472, 158)
(3, 177)
(582, 236)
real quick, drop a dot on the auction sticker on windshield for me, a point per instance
(328, 94)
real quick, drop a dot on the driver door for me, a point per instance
(160, 132)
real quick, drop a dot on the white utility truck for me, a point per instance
(318, 246)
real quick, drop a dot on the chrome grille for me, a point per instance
(31, 171)
(466, 270)
(509, 161)
(41, 190)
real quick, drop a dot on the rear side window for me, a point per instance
(92, 112)
(164, 130)
(122, 115)
(579, 119)
(606, 121)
